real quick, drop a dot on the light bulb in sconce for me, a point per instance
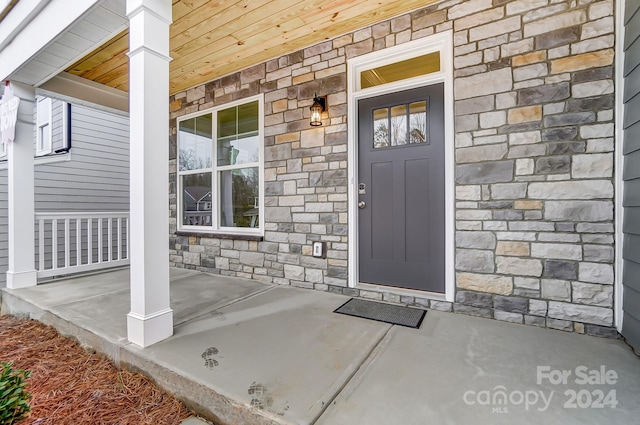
(318, 107)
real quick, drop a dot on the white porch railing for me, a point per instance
(79, 242)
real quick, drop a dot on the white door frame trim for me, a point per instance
(442, 42)
(618, 289)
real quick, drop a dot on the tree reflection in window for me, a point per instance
(195, 143)
(400, 125)
(238, 197)
(219, 163)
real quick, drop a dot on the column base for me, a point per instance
(17, 280)
(147, 330)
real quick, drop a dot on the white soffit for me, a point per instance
(98, 25)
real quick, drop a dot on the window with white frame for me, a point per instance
(44, 133)
(53, 129)
(220, 169)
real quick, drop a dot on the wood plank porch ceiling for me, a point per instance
(210, 39)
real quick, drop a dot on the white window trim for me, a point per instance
(65, 126)
(442, 42)
(215, 228)
(39, 124)
(46, 157)
(42, 160)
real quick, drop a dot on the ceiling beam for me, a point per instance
(68, 86)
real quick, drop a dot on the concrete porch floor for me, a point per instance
(248, 353)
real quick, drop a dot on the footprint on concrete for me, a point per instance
(209, 359)
(260, 397)
(218, 315)
(284, 409)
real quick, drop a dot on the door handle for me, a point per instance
(362, 204)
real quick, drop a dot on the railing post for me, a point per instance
(41, 244)
(78, 241)
(119, 238)
(100, 240)
(67, 245)
(110, 237)
(54, 244)
(128, 238)
(89, 241)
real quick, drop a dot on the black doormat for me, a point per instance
(388, 313)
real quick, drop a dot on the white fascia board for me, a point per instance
(4, 4)
(20, 15)
(32, 25)
(78, 90)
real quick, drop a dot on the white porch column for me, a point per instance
(21, 270)
(151, 318)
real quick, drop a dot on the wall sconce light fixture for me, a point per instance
(318, 107)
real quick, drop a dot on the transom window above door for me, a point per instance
(401, 70)
(400, 125)
(220, 169)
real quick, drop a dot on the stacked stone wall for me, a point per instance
(534, 142)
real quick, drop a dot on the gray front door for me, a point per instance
(401, 189)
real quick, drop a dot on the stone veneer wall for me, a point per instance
(534, 144)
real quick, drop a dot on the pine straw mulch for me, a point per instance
(71, 386)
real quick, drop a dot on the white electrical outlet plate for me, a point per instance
(318, 250)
